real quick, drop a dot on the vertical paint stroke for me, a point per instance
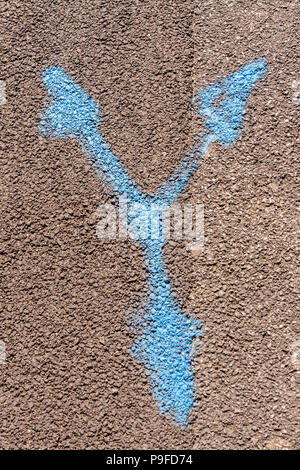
(222, 122)
(165, 334)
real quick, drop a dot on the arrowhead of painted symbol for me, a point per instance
(70, 110)
(223, 119)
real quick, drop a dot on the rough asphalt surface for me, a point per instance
(68, 380)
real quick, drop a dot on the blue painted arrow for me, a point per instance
(164, 332)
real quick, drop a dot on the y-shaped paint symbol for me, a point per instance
(164, 333)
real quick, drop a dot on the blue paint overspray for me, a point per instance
(165, 334)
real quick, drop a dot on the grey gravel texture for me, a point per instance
(68, 380)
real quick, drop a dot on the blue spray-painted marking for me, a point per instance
(72, 113)
(164, 344)
(165, 334)
(222, 122)
(224, 119)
